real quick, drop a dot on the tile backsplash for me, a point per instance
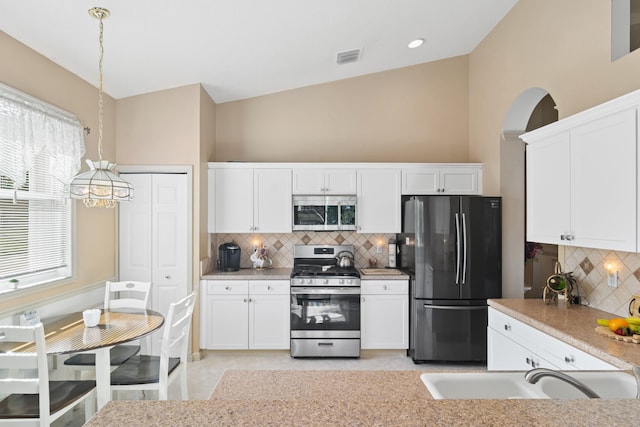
(280, 246)
(588, 267)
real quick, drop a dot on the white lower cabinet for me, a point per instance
(241, 314)
(384, 314)
(515, 346)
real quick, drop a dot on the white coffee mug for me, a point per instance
(91, 317)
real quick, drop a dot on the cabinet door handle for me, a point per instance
(269, 288)
(569, 359)
(362, 299)
(227, 288)
(245, 300)
(507, 327)
(384, 287)
(167, 276)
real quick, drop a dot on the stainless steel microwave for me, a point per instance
(324, 213)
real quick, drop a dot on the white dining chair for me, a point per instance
(31, 396)
(147, 372)
(117, 295)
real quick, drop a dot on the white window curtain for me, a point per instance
(29, 126)
(40, 151)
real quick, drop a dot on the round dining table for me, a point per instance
(68, 334)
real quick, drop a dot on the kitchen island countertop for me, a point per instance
(249, 274)
(410, 406)
(574, 325)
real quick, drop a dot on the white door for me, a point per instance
(134, 248)
(154, 231)
(170, 236)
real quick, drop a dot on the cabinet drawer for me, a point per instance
(514, 329)
(228, 287)
(269, 287)
(567, 357)
(385, 287)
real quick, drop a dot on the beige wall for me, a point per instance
(173, 127)
(560, 46)
(26, 70)
(413, 114)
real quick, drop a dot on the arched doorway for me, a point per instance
(533, 108)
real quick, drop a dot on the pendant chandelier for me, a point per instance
(100, 186)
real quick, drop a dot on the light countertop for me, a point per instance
(250, 274)
(355, 398)
(285, 274)
(574, 325)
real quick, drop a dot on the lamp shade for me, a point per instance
(100, 186)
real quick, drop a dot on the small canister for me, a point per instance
(392, 253)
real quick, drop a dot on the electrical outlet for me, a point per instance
(378, 249)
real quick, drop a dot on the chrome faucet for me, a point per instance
(534, 375)
(636, 372)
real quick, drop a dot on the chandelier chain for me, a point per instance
(100, 91)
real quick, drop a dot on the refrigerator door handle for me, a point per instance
(464, 249)
(457, 249)
(456, 307)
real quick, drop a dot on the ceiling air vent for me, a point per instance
(348, 56)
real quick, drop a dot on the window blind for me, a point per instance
(35, 216)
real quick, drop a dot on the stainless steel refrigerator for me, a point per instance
(452, 248)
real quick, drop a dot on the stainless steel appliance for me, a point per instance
(324, 213)
(452, 249)
(325, 303)
(229, 257)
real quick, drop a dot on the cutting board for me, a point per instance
(381, 271)
(603, 330)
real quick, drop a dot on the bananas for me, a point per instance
(634, 324)
(633, 320)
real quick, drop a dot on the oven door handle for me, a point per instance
(325, 291)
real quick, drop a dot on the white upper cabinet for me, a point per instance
(251, 200)
(272, 201)
(379, 204)
(324, 181)
(442, 179)
(582, 179)
(549, 190)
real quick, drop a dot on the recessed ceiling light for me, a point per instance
(415, 43)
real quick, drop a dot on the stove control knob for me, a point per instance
(349, 281)
(310, 281)
(341, 281)
(325, 281)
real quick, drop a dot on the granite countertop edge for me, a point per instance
(574, 325)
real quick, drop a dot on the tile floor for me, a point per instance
(205, 373)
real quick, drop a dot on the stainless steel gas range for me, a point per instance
(325, 303)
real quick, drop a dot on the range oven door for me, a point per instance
(325, 322)
(325, 312)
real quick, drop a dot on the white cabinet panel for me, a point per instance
(384, 314)
(272, 200)
(241, 314)
(582, 182)
(549, 190)
(379, 201)
(251, 200)
(514, 345)
(603, 183)
(324, 181)
(442, 179)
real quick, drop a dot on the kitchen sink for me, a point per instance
(512, 385)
